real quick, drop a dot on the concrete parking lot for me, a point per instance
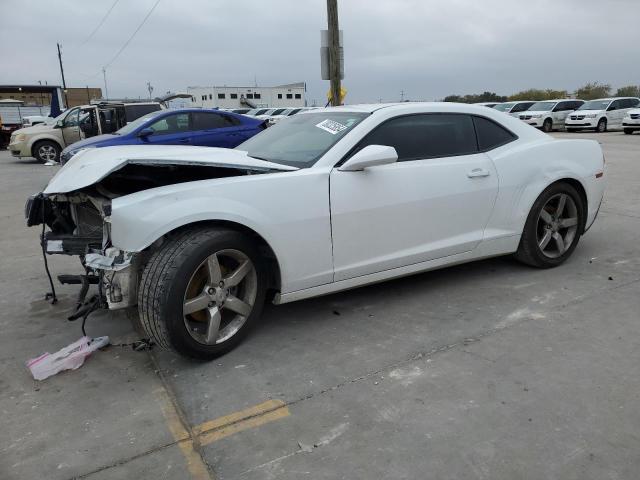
(490, 370)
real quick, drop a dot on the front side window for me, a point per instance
(490, 134)
(301, 140)
(170, 124)
(424, 136)
(72, 119)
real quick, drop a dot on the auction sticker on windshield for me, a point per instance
(331, 126)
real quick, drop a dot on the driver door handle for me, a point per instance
(478, 172)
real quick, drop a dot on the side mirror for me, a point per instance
(145, 132)
(59, 124)
(370, 156)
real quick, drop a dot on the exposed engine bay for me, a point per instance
(78, 223)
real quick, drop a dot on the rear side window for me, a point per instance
(490, 134)
(425, 136)
(210, 121)
(136, 111)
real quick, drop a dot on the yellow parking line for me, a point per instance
(195, 464)
(251, 417)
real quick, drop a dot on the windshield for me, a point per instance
(299, 141)
(595, 105)
(130, 127)
(542, 106)
(504, 107)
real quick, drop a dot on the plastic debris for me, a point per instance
(70, 357)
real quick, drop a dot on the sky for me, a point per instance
(411, 49)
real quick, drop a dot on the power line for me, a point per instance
(132, 35)
(101, 22)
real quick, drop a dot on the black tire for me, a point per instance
(528, 251)
(628, 131)
(166, 277)
(547, 125)
(602, 126)
(49, 146)
(571, 130)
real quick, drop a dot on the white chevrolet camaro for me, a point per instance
(194, 239)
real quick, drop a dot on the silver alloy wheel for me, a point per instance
(557, 225)
(220, 296)
(47, 152)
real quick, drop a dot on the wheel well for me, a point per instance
(583, 195)
(38, 142)
(265, 249)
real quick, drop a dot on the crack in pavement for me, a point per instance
(193, 437)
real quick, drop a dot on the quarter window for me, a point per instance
(425, 136)
(490, 134)
(209, 121)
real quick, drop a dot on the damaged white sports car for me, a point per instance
(196, 238)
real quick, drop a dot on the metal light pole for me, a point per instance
(334, 50)
(64, 84)
(106, 91)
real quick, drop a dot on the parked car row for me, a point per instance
(272, 115)
(572, 114)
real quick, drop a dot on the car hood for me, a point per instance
(534, 112)
(91, 142)
(92, 165)
(586, 112)
(34, 129)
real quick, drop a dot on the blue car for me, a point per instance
(205, 128)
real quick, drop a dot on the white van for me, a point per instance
(631, 121)
(550, 114)
(514, 108)
(601, 115)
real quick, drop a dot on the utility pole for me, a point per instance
(150, 88)
(64, 84)
(106, 91)
(402, 95)
(334, 50)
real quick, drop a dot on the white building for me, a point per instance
(290, 95)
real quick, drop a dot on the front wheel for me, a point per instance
(547, 126)
(553, 227)
(602, 126)
(201, 292)
(47, 151)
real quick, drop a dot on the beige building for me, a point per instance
(74, 96)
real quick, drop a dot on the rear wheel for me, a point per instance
(47, 151)
(547, 126)
(201, 292)
(553, 227)
(602, 126)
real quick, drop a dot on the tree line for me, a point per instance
(589, 91)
